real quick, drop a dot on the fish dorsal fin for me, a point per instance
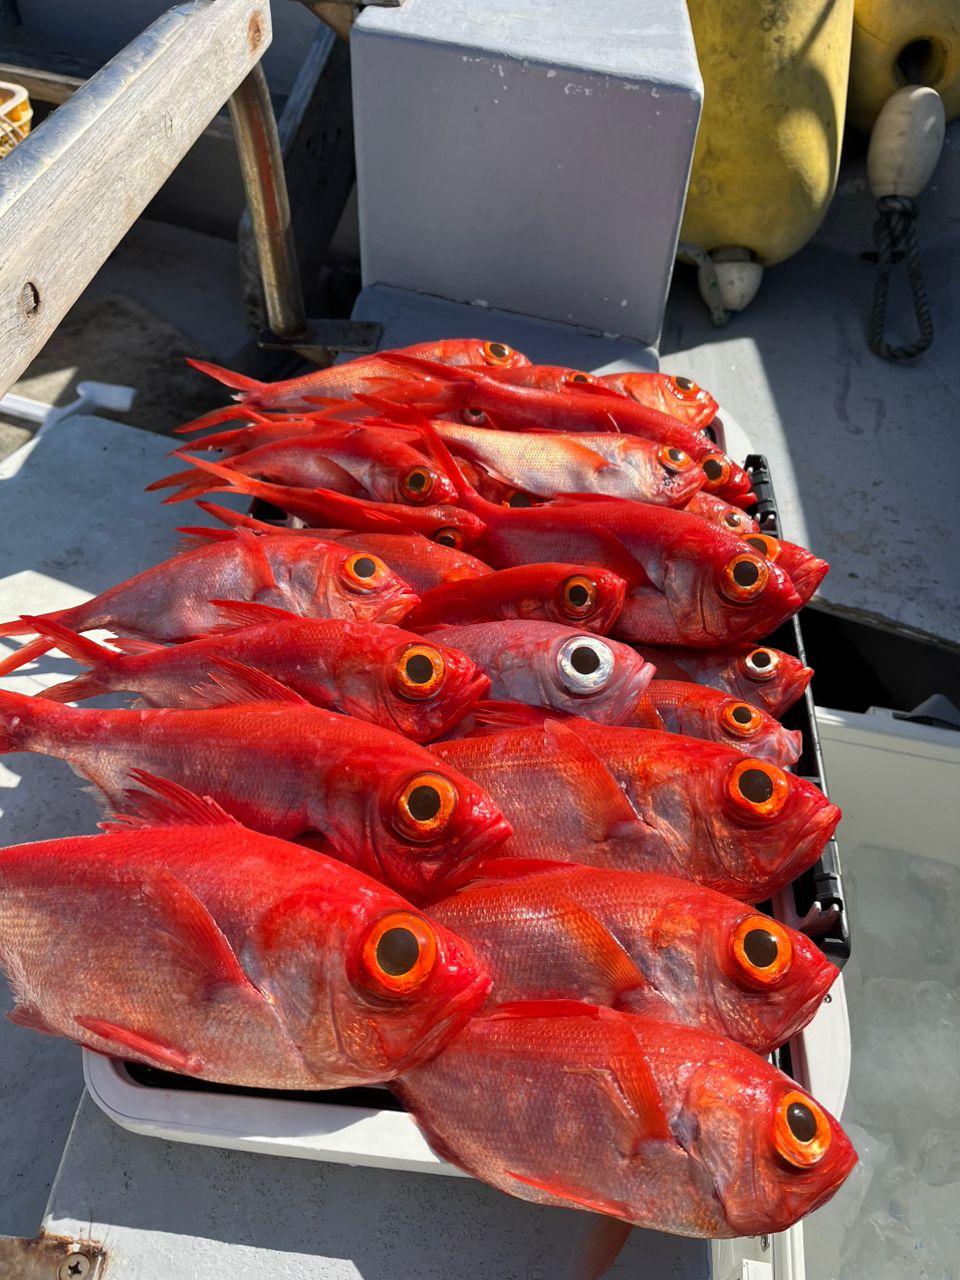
(238, 614)
(158, 802)
(227, 377)
(193, 536)
(258, 559)
(231, 683)
(610, 812)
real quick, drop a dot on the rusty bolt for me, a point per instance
(74, 1267)
(29, 299)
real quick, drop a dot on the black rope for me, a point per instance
(895, 235)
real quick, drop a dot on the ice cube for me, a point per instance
(906, 1047)
(905, 910)
(826, 1232)
(885, 1249)
(938, 1158)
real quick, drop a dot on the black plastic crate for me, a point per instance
(822, 883)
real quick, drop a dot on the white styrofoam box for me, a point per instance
(529, 154)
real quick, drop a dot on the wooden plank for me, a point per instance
(42, 86)
(316, 139)
(74, 187)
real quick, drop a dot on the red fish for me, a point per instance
(686, 578)
(342, 381)
(172, 601)
(679, 397)
(662, 1126)
(423, 563)
(364, 794)
(757, 673)
(678, 706)
(485, 396)
(648, 944)
(722, 513)
(638, 800)
(542, 664)
(568, 594)
(805, 570)
(376, 673)
(226, 954)
(548, 463)
(446, 524)
(359, 461)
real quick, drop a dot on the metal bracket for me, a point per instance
(321, 337)
(50, 1258)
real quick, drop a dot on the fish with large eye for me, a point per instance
(679, 706)
(765, 677)
(678, 396)
(568, 594)
(645, 943)
(230, 955)
(546, 665)
(664, 1126)
(641, 800)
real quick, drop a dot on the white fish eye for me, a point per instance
(585, 663)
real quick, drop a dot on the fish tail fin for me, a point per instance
(235, 381)
(27, 652)
(103, 662)
(226, 413)
(192, 483)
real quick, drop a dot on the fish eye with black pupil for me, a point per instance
(713, 468)
(519, 500)
(801, 1122)
(742, 714)
(746, 573)
(424, 803)
(398, 951)
(364, 567)
(419, 669)
(584, 660)
(578, 596)
(761, 948)
(761, 659)
(755, 786)
(684, 384)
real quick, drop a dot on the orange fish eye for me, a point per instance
(577, 379)
(758, 788)
(801, 1131)
(717, 470)
(420, 670)
(497, 353)
(733, 520)
(399, 953)
(768, 547)
(579, 596)
(740, 719)
(449, 537)
(425, 807)
(364, 572)
(761, 664)
(683, 388)
(762, 950)
(417, 484)
(744, 578)
(674, 459)
(473, 417)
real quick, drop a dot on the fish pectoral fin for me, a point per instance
(610, 813)
(26, 1014)
(238, 614)
(159, 1053)
(258, 560)
(556, 1187)
(630, 1087)
(603, 950)
(232, 683)
(158, 802)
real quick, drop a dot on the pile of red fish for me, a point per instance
(537, 927)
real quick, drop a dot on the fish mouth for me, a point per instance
(442, 876)
(474, 689)
(397, 608)
(456, 1012)
(636, 687)
(807, 576)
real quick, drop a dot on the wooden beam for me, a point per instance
(70, 191)
(316, 139)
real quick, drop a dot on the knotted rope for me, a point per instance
(895, 234)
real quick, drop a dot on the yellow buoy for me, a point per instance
(768, 150)
(900, 42)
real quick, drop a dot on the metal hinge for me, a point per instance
(50, 1258)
